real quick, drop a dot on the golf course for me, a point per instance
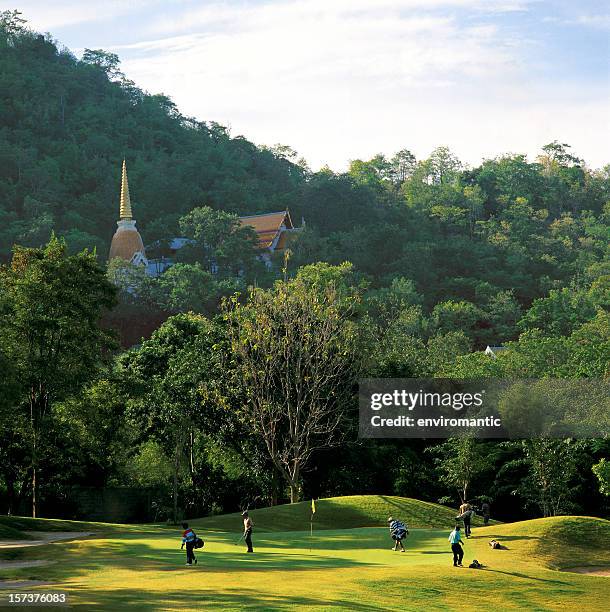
(547, 564)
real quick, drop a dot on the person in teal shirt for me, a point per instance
(455, 539)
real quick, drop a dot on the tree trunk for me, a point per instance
(34, 501)
(276, 483)
(295, 482)
(175, 482)
(294, 492)
(10, 494)
(34, 471)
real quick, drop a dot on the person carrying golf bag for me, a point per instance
(247, 530)
(398, 531)
(189, 538)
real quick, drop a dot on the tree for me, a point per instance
(185, 287)
(550, 469)
(12, 25)
(295, 351)
(51, 328)
(442, 166)
(166, 377)
(402, 166)
(106, 61)
(453, 316)
(221, 244)
(559, 313)
(602, 471)
(459, 461)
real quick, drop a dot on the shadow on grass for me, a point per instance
(433, 552)
(526, 577)
(200, 598)
(78, 562)
(500, 538)
(367, 538)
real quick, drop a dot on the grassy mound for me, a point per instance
(339, 513)
(558, 542)
(11, 533)
(18, 524)
(142, 566)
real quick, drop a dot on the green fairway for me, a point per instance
(142, 567)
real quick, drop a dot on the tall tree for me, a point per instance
(459, 461)
(551, 467)
(50, 325)
(296, 354)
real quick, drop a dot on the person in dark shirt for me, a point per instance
(485, 511)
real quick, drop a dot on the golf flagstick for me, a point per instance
(313, 511)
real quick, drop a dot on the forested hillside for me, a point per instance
(65, 126)
(405, 268)
(509, 225)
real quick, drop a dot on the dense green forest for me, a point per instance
(406, 268)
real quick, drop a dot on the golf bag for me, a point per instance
(199, 543)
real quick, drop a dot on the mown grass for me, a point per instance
(26, 523)
(141, 568)
(8, 532)
(346, 512)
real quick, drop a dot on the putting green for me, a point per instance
(141, 567)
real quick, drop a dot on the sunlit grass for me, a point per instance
(142, 567)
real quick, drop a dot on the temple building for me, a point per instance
(127, 243)
(274, 230)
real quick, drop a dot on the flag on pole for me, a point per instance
(313, 511)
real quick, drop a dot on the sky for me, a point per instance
(339, 80)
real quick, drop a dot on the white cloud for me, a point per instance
(45, 16)
(594, 21)
(335, 80)
(341, 79)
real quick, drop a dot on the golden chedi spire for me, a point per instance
(125, 209)
(127, 243)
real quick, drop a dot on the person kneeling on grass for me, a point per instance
(398, 531)
(455, 539)
(189, 538)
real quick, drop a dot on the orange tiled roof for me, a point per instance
(267, 226)
(284, 240)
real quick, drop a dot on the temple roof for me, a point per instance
(126, 242)
(268, 226)
(125, 205)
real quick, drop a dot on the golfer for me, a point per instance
(247, 530)
(485, 509)
(455, 539)
(466, 513)
(398, 531)
(189, 538)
